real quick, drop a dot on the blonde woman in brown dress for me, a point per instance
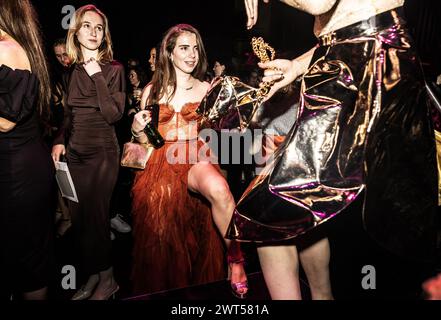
(95, 101)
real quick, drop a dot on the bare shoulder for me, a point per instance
(203, 85)
(13, 55)
(201, 89)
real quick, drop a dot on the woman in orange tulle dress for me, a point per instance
(181, 205)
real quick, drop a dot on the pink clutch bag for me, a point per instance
(135, 155)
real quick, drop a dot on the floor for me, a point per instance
(360, 270)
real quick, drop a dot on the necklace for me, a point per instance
(188, 88)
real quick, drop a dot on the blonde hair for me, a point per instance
(73, 49)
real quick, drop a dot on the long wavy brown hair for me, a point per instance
(19, 20)
(164, 77)
(73, 48)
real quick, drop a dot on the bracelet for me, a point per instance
(136, 134)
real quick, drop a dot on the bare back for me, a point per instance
(13, 56)
(331, 15)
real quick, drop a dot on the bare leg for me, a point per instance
(40, 294)
(315, 262)
(280, 264)
(280, 267)
(206, 180)
(106, 287)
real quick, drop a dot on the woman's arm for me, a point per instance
(6, 125)
(144, 96)
(314, 7)
(141, 118)
(62, 135)
(111, 96)
(283, 72)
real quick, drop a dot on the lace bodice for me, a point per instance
(180, 125)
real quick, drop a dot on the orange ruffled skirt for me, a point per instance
(176, 243)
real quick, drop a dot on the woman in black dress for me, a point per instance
(26, 169)
(95, 101)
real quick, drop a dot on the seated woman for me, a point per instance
(175, 242)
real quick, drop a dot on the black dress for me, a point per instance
(94, 104)
(26, 187)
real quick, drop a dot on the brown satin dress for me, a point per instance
(176, 243)
(94, 105)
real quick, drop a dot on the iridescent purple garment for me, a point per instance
(363, 129)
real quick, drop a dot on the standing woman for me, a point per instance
(176, 242)
(362, 145)
(26, 169)
(95, 99)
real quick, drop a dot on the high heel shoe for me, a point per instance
(108, 295)
(82, 293)
(86, 290)
(239, 289)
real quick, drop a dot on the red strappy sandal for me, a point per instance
(239, 289)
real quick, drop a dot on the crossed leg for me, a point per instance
(205, 179)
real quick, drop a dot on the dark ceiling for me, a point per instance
(222, 25)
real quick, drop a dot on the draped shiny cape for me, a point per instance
(363, 125)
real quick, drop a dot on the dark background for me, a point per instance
(136, 29)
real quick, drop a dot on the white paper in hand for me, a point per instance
(64, 181)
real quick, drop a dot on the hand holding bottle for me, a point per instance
(141, 119)
(150, 129)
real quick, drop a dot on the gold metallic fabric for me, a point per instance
(230, 103)
(363, 130)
